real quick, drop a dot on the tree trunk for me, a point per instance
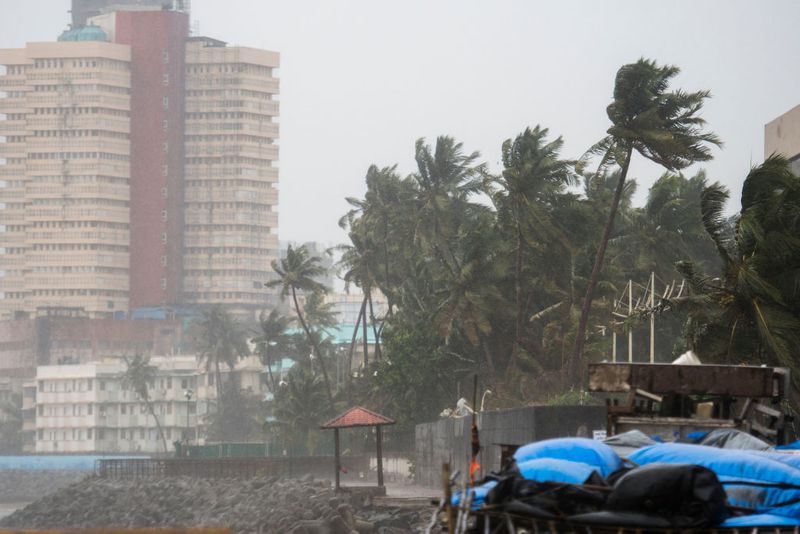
(364, 340)
(158, 423)
(268, 358)
(489, 358)
(520, 320)
(580, 334)
(374, 329)
(314, 346)
(218, 379)
(352, 350)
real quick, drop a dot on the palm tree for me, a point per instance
(140, 376)
(296, 272)
(664, 127)
(445, 178)
(11, 437)
(273, 337)
(221, 341)
(751, 312)
(533, 174)
(300, 405)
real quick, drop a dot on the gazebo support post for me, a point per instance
(337, 459)
(379, 446)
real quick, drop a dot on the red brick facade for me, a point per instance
(157, 40)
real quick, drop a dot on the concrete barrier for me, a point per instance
(448, 440)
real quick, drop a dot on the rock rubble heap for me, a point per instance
(259, 505)
(18, 486)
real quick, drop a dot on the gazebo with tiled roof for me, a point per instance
(356, 417)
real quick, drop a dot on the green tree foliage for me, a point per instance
(750, 312)
(11, 425)
(664, 127)
(301, 406)
(221, 340)
(272, 340)
(297, 272)
(140, 376)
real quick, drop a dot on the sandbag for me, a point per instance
(582, 450)
(687, 496)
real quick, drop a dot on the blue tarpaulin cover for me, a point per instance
(582, 450)
(752, 480)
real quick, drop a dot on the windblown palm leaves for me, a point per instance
(297, 272)
(221, 340)
(663, 126)
(272, 339)
(751, 312)
(140, 376)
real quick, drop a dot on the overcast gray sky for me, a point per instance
(362, 79)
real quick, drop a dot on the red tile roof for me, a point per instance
(358, 416)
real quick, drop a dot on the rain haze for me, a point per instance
(362, 80)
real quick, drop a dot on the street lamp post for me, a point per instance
(188, 394)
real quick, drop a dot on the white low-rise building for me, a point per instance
(88, 408)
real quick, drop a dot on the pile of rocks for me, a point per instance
(18, 486)
(259, 505)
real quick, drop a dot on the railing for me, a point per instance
(225, 467)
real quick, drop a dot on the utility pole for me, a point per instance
(652, 317)
(630, 313)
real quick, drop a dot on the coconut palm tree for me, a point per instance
(297, 272)
(273, 339)
(300, 405)
(222, 340)
(664, 127)
(751, 312)
(532, 175)
(445, 179)
(140, 376)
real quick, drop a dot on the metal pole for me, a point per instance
(652, 317)
(337, 459)
(614, 347)
(630, 313)
(379, 436)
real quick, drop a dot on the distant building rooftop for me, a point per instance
(84, 33)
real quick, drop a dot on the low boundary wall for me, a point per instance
(448, 440)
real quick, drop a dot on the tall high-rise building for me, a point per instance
(66, 170)
(136, 169)
(231, 225)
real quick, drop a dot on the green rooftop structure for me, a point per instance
(84, 33)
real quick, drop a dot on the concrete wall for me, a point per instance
(448, 440)
(782, 135)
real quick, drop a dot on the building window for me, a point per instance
(102, 388)
(163, 261)
(163, 215)
(164, 170)
(89, 434)
(41, 434)
(165, 56)
(169, 382)
(89, 385)
(41, 387)
(164, 192)
(164, 238)
(141, 433)
(90, 409)
(41, 409)
(165, 125)
(184, 384)
(165, 79)
(101, 433)
(163, 283)
(123, 409)
(165, 102)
